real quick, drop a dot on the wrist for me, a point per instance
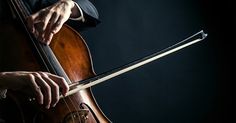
(76, 11)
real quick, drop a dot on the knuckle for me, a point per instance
(47, 88)
(30, 19)
(36, 74)
(39, 97)
(61, 78)
(46, 72)
(55, 87)
(37, 90)
(40, 72)
(56, 13)
(30, 77)
(43, 74)
(49, 100)
(55, 30)
(56, 98)
(50, 10)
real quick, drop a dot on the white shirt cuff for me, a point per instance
(81, 17)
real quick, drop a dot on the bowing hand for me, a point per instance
(43, 85)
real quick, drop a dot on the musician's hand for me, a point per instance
(48, 21)
(45, 86)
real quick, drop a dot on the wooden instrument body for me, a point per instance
(73, 55)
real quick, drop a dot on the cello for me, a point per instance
(72, 61)
(67, 56)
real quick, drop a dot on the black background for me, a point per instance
(195, 85)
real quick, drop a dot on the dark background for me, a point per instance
(195, 85)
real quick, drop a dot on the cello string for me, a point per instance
(21, 8)
(45, 50)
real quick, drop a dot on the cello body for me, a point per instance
(71, 51)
